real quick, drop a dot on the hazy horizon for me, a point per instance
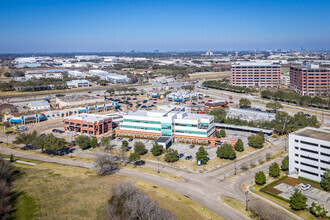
(38, 26)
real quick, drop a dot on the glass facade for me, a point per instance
(166, 129)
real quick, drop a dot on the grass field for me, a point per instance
(52, 191)
(239, 206)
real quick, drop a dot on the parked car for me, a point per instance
(192, 146)
(119, 139)
(188, 158)
(305, 187)
(180, 155)
(130, 140)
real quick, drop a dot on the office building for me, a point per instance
(309, 152)
(176, 125)
(256, 75)
(88, 124)
(77, 83)
(310, 80)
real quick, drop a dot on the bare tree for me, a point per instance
(5, 178)
(105, 163)
(128, 202)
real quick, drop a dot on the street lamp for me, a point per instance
(158, 158)
(246, 200)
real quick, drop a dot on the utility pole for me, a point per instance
(235, 166)
(246, 200)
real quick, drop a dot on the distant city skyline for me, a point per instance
(38, 26)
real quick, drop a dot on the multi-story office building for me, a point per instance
(310, 80)
(176, 124)
(256, 75)
(88, 124)
(309, 152)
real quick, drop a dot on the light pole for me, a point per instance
(246, 200)
(235, 165)
(158, 158)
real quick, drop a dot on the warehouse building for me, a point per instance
(77, 83)
(39, 105)
(309, 152)
(88, 124)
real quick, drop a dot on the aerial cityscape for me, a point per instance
(165, 110)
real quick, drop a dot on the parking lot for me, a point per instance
(313, 194)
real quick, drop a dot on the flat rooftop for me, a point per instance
(88, 117)
(317, 133)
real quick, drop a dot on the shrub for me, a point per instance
(274, 170)
(239, 146)
(226, 152)
(297, 201)
(285, 164)
(171, 155)
(318, 210)
(140, 148)
(260, 178)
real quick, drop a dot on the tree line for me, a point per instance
(214, 84)
(282, 124)
(293, 97)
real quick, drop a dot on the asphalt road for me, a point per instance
(204, 188)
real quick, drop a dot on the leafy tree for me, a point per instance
(140, 148)
(226, 151)
(239, 146)
(260, 178)
(93, 142)
(262, 135)
(219, 115)
(171, 155)
(325, 182)
(274, 106)
(285, 164)
(223, 133)
(298, 201)
(83, 141)
(274, 170)
(156, 150)
(124, 145)
(244, 103)
(53, 144)
(110, 91)
(201, 155)
(133, 157)
(12, 158)
(318, 210)
(255, 141)
(217, 134)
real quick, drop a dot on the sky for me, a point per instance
(167, 25)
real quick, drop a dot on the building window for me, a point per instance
(324, 154)
(296, 140)
(308, 172)
(297, 148)
(297, 155)
(309, 143)
(309, 165)
(125, 133)
(145, 135)
(121, 133)
(309, 158)
(189, 139)
(154, 136)
(326, 147)
(199, 141)
(296, 162)
(185, 140)
(310, 151)
(326, 162)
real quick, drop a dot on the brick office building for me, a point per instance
(88, 124)
(310, 80)
(256, 75)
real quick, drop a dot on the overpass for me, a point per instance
(243, 128)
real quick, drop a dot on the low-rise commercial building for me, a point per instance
(176, 124)
(309, 152)
(215, 104)
(39, 105)
(88, 124)
(77, 100)
(77, 83)
(310, 80)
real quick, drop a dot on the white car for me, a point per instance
(305, 187)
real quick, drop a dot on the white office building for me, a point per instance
(39, 105)
(176, 124)
(77, 83)
(309, 152)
